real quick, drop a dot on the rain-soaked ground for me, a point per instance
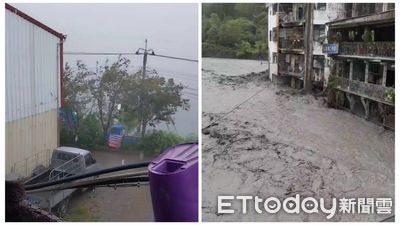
(281, 143)
(105, 204)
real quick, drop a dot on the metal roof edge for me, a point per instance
(34, 21)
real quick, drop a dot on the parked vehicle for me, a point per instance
(65, 162)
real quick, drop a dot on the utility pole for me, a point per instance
(144, 59)
(141, 127)
(309, 31)
(145, 53)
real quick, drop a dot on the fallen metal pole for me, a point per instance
(92, 183)
(86, 175)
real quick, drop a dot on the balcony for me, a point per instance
(294, 67)
(291, 45)
(290, 19)
(368, 49)
(372, 91)
(291, 14)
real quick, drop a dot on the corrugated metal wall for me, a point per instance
(32, 89)
(30, 142)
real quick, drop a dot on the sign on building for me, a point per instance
(330, 49)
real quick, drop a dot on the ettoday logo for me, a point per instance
(294, 205)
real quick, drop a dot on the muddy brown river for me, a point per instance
(281, 143)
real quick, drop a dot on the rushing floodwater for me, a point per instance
(280, 143)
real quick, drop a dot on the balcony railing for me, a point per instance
(286, 69)
(291, 44)
(289, 18)
(376, 49)
(374, 91)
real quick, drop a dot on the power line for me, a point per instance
(99, 53)
(190, 75)
(173, 57)
(128, 53)
(234, 108)
(190, 93)
(194, 89)
(174, 75)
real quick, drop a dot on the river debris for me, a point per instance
(254, 77)
(283, 142)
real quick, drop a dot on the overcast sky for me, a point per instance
(171, 29)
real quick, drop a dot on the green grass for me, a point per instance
(80, 214)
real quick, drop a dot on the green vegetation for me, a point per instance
(234, 30)
(389, 96)
(109, 94)
(89, 132)
(80, 214)
(157, 141)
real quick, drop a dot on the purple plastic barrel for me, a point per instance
(174, 184)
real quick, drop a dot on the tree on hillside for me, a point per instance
(160, 100)
(75, 88)
(145, 102)
(235, 30)
(108, 88)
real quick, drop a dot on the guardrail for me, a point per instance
(289, 17)
(291, 44)
(374, 91)
(382, 49)
(71, 167)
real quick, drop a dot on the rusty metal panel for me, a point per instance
(31, 69)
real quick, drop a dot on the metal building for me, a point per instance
(34, 67)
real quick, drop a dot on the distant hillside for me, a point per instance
(234, 30)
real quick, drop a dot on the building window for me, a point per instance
(319, 32)
(320, 6)
(390, 6)
(318, 67)
(390, 81)
(301, 14)
(274, 34)
(274, 57)
(319, 61)
(270, 35)
(274, 9)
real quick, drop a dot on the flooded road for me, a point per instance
(105, 204)
(277, 142)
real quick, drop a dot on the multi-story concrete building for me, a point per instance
(362, 49)
(352, 42)
(287, 41)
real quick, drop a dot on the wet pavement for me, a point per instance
(105, 204)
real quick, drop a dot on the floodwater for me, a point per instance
(106, 204)
(280, 143)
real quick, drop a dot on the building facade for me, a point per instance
(34, 66)
(347, 45)
(364, 61)
(288, 37)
